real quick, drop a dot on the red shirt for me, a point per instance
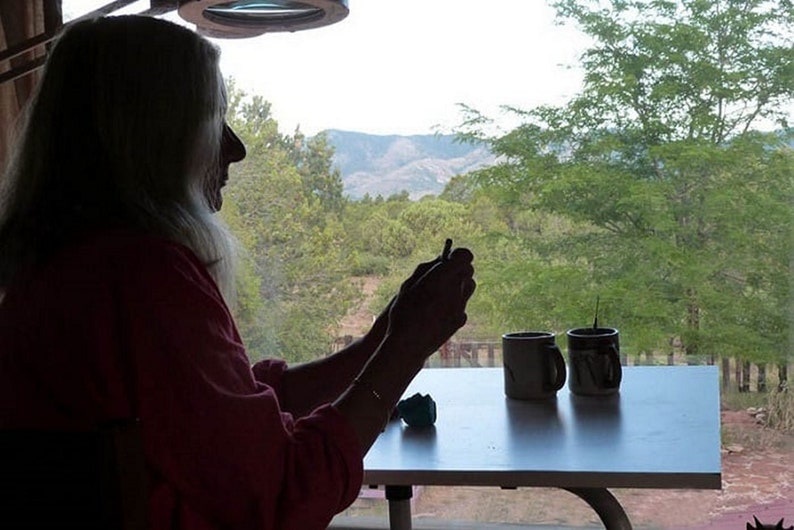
(125, 324)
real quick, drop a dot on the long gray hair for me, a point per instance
(124, 130)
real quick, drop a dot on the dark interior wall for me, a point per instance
(20, 21)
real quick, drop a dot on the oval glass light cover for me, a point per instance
(245, 18)
(251, 12)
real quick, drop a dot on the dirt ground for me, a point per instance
(758, 479)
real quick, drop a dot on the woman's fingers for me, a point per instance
(432, 302)
(467, 288)
(461, 254)
(455, 259)
(419, 272)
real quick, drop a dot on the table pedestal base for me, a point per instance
(600, 500)
(605, 505)
(399, 498)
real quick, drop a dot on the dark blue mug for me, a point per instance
(534, 367)
(594, 361)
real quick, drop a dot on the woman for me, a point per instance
(116, 277)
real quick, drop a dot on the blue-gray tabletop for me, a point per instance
(661, 431)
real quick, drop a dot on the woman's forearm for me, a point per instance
(370, 400)
(305, 386)
(365, 381)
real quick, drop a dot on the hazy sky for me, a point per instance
(401, 67)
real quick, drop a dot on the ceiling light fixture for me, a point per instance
(213, 18)
(249, 18)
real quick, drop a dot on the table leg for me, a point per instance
(605, 505)
(399, 498)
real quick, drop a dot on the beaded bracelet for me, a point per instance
(369, 388)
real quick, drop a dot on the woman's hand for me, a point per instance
(379, 327)
(431, 305)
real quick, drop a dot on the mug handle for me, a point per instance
(615, 374)
(559, 368)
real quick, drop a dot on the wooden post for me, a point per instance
(760, 385)
(745, 386)
(738, 375)
(726, 372)
(444, 353)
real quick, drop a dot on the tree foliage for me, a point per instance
(652, 189)
(660, 157)
(283, 202)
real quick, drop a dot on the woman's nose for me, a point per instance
(232, 148)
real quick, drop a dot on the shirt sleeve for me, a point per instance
(269, 372)
(211, 428)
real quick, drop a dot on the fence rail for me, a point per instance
(739, 374)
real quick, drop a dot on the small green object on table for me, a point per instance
(418, 410)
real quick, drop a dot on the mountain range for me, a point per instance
(419, 164)
(390, 164)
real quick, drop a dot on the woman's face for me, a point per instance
(232, 150)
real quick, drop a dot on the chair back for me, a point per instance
(93, 480)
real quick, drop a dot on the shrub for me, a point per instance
(780, 410)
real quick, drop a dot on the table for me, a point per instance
(661, 431)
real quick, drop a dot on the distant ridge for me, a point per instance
(389, 164)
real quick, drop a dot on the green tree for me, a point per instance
(321, 181)
(681, 205)
(293, 279)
